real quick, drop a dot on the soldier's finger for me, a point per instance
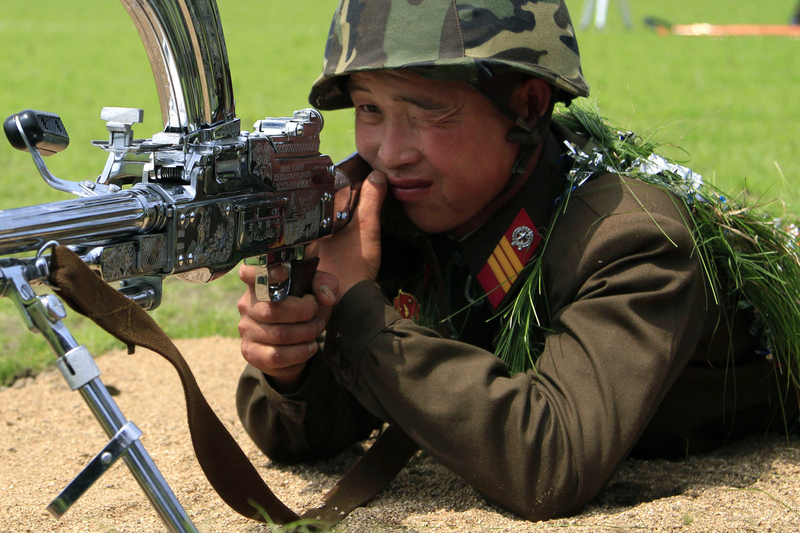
(247, 274)
(325, 287)
(289, 311)
(278, 361)
(282, 334)
(277, 273)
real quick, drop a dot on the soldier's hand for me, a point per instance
(353, 254)
(278, 338)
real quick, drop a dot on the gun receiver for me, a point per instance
(198, 203)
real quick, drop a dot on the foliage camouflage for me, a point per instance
(451, 40)
(751, 261)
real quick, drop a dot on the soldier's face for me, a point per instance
(442, 145)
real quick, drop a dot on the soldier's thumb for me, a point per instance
(371, 196)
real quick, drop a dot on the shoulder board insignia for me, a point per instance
(516, 247)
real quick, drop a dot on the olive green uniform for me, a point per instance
(634, 357)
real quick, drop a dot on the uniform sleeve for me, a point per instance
(318, 420)
(626, 293)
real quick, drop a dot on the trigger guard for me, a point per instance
(272, 292)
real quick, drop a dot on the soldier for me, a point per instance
(465, 203)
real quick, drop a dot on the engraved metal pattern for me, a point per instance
(286, 148)
(214, 244)
(153, 252)
(260, 159)
(206, 237)
(259, 224)
(305, 223)
(118, 261)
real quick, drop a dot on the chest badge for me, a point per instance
(407, 306)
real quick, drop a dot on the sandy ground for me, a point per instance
(47, 434)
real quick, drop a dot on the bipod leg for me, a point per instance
(43, 314)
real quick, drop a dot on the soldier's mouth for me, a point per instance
(409, 189)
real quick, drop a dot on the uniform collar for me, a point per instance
(499, 249)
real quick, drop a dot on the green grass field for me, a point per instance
(730, 104)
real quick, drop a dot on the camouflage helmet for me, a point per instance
(452, 40)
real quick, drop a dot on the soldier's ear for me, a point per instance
(532, 99)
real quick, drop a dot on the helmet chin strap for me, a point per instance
(529, 137)
(498, 88)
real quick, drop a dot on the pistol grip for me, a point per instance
(303, 271)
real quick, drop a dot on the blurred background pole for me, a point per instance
(600, 9)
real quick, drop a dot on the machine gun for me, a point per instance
(192, 201)
(192, 205)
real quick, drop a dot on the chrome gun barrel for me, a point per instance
(70, 221)
(186, 47)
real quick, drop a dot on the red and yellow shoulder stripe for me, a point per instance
(516, 247)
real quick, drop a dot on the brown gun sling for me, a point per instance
(224, 463)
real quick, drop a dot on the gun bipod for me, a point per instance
(44, 314)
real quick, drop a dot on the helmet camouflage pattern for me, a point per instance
(456, 40)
